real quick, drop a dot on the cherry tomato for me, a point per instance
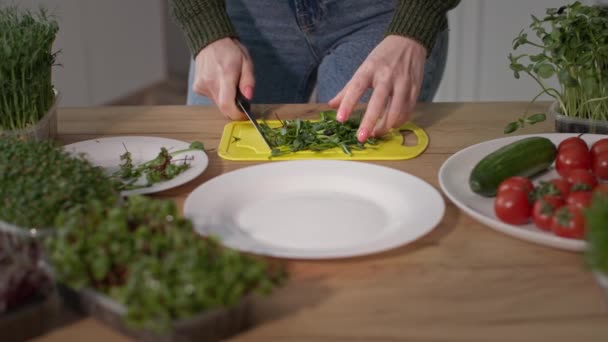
(543, 209)
(599, 166)
(581, 180)
(562, 186)
(603, 188)
(516, 183)
(599, 147)
(572, 158)
(513, 207)
(580, 199)
(569, 222)
(572, 142)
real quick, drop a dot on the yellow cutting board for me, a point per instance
(241, 142)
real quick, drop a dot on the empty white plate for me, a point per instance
(105, 152)
(315, 208)
(454, 181)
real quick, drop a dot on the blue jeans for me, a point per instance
(298, 44)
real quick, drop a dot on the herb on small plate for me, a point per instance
(319, 135)
(162, 168)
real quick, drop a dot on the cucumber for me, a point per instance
(526, 157)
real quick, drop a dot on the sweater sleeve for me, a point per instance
(421, 20)
(201, 21)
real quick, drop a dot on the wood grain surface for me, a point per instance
(462, 282)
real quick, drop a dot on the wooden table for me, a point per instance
(462, 282)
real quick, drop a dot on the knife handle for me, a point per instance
(240, 98)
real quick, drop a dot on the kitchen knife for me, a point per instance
(244, 106)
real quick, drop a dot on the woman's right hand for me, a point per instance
(219, 68)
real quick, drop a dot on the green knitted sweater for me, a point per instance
(205, 21)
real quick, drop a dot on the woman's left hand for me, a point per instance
(394, 69)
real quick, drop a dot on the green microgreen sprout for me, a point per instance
(40, 179)
(26, 90)
(572, 43)
(145, 256)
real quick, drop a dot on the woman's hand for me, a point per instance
(394, 69)
(219, 68)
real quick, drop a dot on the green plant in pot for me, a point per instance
(28, 101)
(38, 180)
(596, 254)
(22, 281)
(140, 267)
(571, 46)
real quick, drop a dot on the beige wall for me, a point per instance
(109, 48)
(178, 55)
(480, 40)
(112, 48)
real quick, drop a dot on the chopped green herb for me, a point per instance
(197, 145)
(324, 134)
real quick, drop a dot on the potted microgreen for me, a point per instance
(38, 179)
(596, 217)
(140, 268)
(571, 46)
(26, 290)
(28, 101)
(22, 280)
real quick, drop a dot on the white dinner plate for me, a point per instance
(313, 209)
(105, 152)
(454, 181)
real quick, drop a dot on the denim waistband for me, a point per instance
(307, 12)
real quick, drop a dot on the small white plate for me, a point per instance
(313, 209)
(105, 152)
(454, 181)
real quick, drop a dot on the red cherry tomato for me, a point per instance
(572, 158)
(543, 209)
(572, 142)
(513, 207)
(516, 183)
(579, 199)
(599, 166)
(581, 180)
(599, 147)
(569, 222)
(561, 185)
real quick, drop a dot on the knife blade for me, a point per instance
(244, 106)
